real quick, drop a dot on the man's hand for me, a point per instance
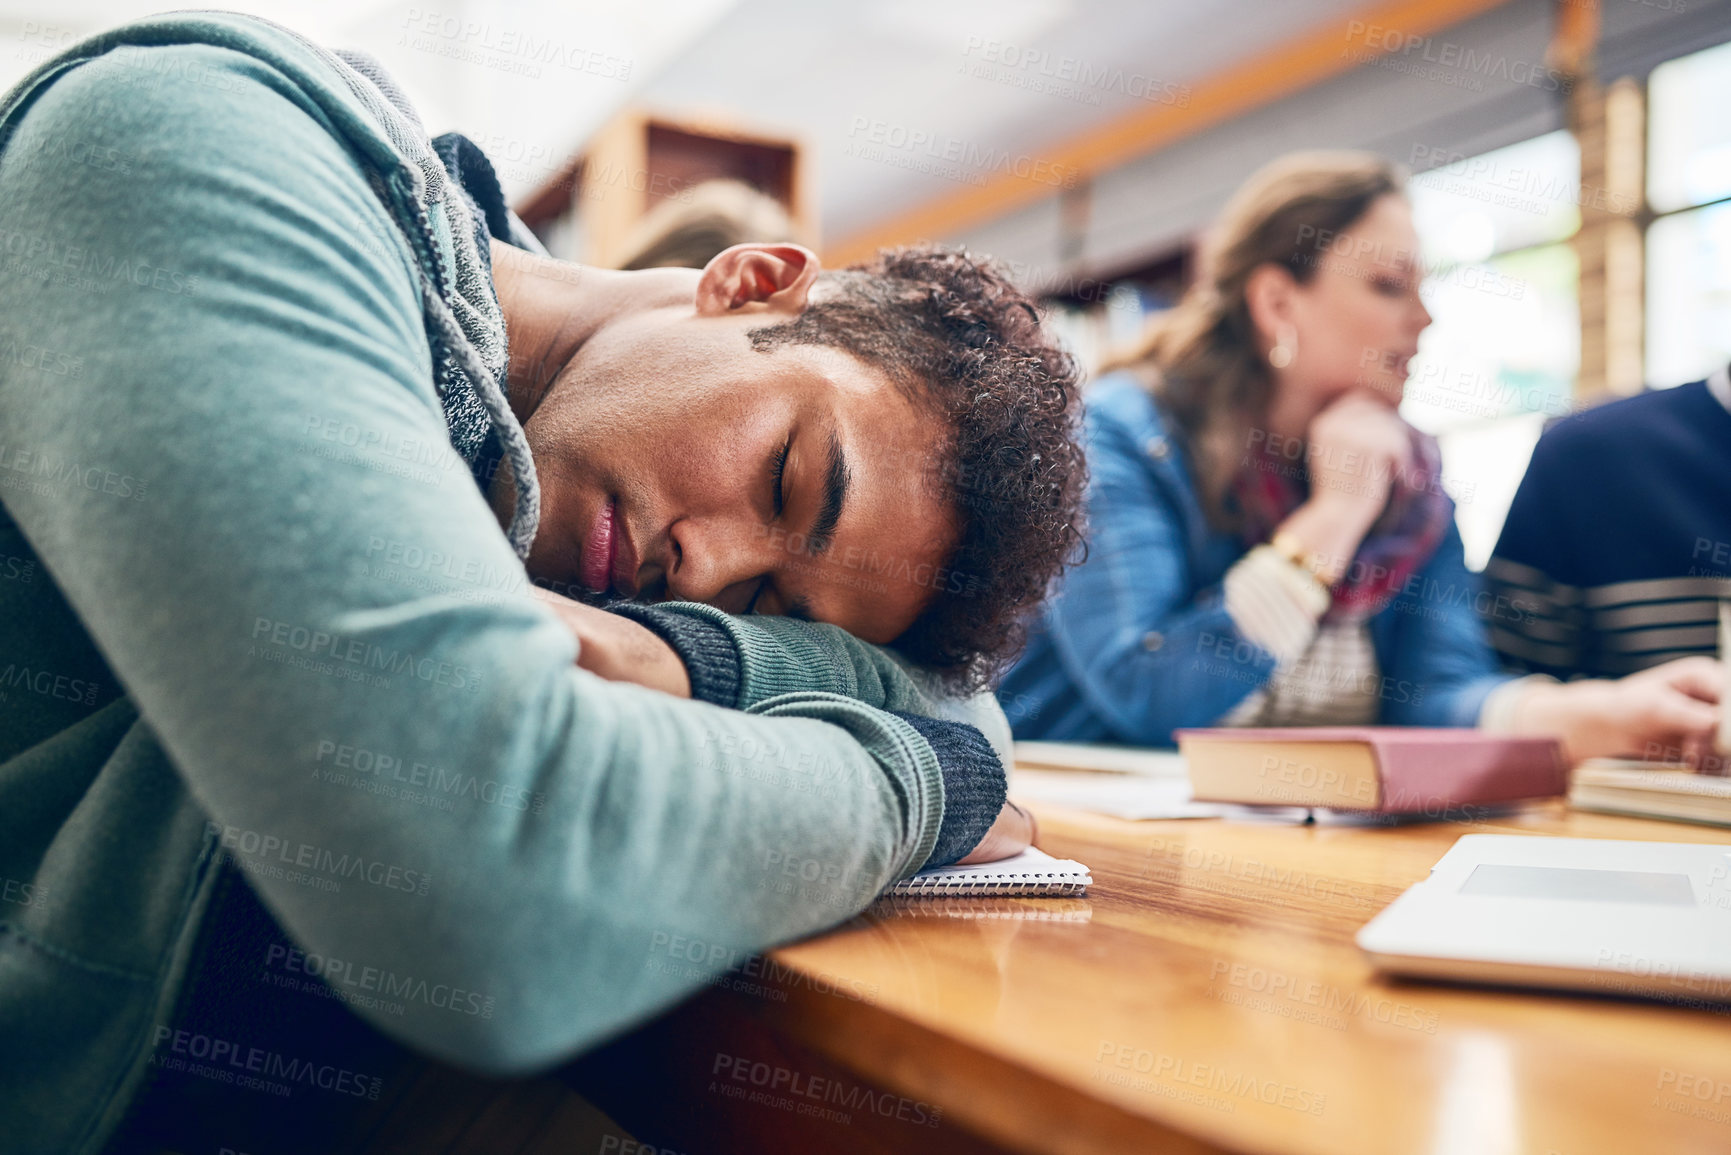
(1013, 832)
(619, 649)
(1669, 707)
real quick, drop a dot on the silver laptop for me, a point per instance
(1588, 914)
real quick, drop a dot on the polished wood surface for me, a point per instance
(1207, 995)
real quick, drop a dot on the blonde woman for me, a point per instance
(1270, 542)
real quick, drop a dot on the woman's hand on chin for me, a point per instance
(619, 649)
(1013, 832)
(1356, 447)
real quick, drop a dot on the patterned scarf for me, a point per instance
(1269, 486)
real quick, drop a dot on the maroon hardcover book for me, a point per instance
(1389, 769)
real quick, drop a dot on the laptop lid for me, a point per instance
(1645, 918)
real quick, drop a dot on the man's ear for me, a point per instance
(757, 278)
(1269, 294)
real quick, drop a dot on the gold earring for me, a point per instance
(1285, 348)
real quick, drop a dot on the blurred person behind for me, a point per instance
(1270, 543)
(1617, 546)
(688, 229)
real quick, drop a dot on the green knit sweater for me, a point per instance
(221, 452)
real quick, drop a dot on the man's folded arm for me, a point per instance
(311, 602)
(740, 661)
(747, 661)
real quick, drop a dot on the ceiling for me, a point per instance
(952, 85)
(527, 79)
(899, 101)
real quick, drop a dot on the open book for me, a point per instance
(1030, 873)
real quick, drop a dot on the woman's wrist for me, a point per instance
(1329, 528)
(1296, 553)
(1275, 603)
(1354, 513)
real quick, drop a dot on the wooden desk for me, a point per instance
(1207, 996)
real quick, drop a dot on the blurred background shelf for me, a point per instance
(593, 208)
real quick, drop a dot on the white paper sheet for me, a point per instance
(1133, 796)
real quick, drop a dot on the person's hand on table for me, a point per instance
(1673, 707)
(620, 649)
(1013, 832)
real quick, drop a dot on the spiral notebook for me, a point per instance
(1032, 873)
(1050, 909)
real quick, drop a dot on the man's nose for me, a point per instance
(718, 560)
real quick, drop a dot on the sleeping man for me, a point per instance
(288, 426)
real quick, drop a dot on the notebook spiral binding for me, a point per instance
(980, 907)
(1043, 883)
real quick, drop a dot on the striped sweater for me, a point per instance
(1617, 548)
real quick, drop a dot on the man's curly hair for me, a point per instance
(957, 337)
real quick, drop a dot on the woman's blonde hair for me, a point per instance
(1202, 358)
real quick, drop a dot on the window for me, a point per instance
(1689, 134)
(1503, 350)
(1689, 241)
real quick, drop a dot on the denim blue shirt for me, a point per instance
(1137, 642)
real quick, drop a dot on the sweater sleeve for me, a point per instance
(250, 345)
(1535, 621)
(1274, 604)
(711, 658)
(974, 785)
(715, 655)
(780, 655)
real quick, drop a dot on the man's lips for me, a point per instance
(595, 570)
(609, 559)
(623, 570)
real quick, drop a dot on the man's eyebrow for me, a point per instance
(837, 478)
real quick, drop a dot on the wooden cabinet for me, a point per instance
(590, 209)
